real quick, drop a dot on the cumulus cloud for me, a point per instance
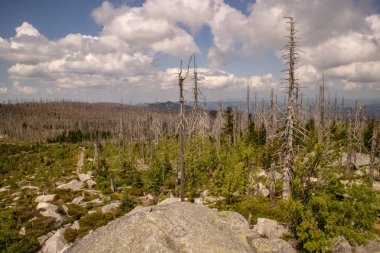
(3, 90)
(339, 38)
(27, 90)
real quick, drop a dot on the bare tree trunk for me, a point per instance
(181, 80)
(372, 154)
(272, 186)
(290, 113)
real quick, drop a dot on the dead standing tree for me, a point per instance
(288, 154)
(181, 80)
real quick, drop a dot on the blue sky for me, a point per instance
(129, 50)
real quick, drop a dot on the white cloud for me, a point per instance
(3, 90)
(340, 38)
(358, 72)
(27, 29)
(27, 90)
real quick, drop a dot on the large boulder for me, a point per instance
(56, 243)
(270, 228)
(176, 227)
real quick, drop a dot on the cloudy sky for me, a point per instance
(129, 50)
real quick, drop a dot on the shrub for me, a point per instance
(127, 202)
(70, 234)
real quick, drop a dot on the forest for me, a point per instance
(313, 166)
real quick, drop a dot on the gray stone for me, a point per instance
(4, 189)
(110, 207)
(168, 201)
(56, 243)
(198, 201)
(370, 247)
(91, 183)
(72, 185)
(270, 228)
(262, 190)
(341, 245)
(29, 187)
(49, 210)
(77, 200)
(75, 225)
(265, 245)
(235, 220)
(45, 198)
(176, 227)
(84, 177)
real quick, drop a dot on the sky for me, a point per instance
(130, 50)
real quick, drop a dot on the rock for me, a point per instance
(66, 209)
(95, 201)
(22, 231)
(4, 189)
(45, 198)
(84, 177)
(75, 225)
(262, 173)
(340, 245)
(212, 199)
(198, 201)
(168, 201)
(376, 186)
(77, 200)
(49, 210)
(44, 205)
(262, 190)
(91, 212)
(51, 213)
(235, 220)
(110, 207)
(72, 185)
(42, 239)
(265, 245)
(56, 243)
(270, 228)
(278, 175)
(370, 247)
(176, 227)
(16, 198)
(313, 180)
(91, 183)
(205, 193)
(30, 187)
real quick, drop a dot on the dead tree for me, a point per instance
(272, 185)
(373, 153)
(321, 111)
(181, 80)
(288, 154)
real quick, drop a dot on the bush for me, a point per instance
(326, 215)
(76, 211)
(127, 202)
(92, 222)
(70, 234)
(13, 242)
(259, 207)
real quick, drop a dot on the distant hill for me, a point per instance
(166, 107)
(373, 109)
